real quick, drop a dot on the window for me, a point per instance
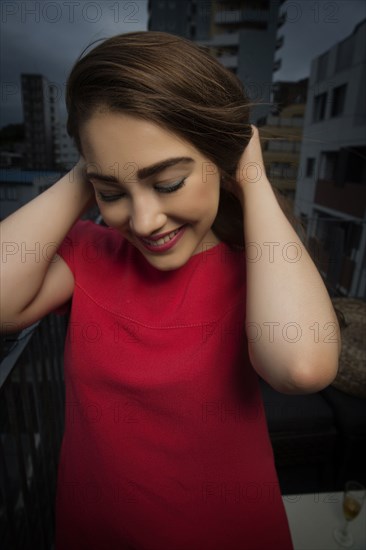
(338, 100)
(356, 165)
(320, 102)
(310, 165)
(347, 165)
(329, 162)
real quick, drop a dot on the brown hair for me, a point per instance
(178, 85)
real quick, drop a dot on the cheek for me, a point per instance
(200, 206)
(208, 194)
(114, 215)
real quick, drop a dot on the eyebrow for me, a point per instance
(144, 173)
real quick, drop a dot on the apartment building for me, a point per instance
(65, 152)
(331, 187)
(281, 133)
(39, 99)
(48, 146)
(281, 144)
(242, 34)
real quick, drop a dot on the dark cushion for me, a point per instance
(301, 427)
(295, 413)
(349, 411)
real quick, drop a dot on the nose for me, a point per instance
(147, 216)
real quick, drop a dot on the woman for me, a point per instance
(197, 285)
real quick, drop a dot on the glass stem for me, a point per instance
(345, 528)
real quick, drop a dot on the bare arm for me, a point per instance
(34, 279)
(293, 332)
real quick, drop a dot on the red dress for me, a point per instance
(166, 444)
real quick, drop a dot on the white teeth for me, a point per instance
(162, 240)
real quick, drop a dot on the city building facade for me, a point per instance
(331, 187)
(40, 116)
(65, 152)
(47, 144)
(281, 133)
(241, 34)
(281, 143)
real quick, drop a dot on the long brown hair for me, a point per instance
(178, 85)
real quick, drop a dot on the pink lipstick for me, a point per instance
(164, 242)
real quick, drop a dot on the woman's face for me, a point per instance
(159, 191)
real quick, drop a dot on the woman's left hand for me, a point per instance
(251, 168)
(251, 165)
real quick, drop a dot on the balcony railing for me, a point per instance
(338, 270)
(31, 428)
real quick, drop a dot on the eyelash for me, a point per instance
(111, 198)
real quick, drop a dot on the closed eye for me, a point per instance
(105, 197)
(171, 188)
(109, 198)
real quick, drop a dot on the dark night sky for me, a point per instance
(47, 37)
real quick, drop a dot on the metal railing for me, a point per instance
(31, 428)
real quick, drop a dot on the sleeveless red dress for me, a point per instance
(166, 444)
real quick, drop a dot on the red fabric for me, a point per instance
(166, 444)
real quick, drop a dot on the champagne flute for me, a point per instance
(353, 498)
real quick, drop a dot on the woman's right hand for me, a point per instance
(78, 174)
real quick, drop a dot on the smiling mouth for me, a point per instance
(163, 240)
(165, 243)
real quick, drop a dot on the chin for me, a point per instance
(166, 262)
(165, 265)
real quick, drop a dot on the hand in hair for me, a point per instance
(250, 170)
(251, 166)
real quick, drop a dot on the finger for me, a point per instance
(251, 165)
